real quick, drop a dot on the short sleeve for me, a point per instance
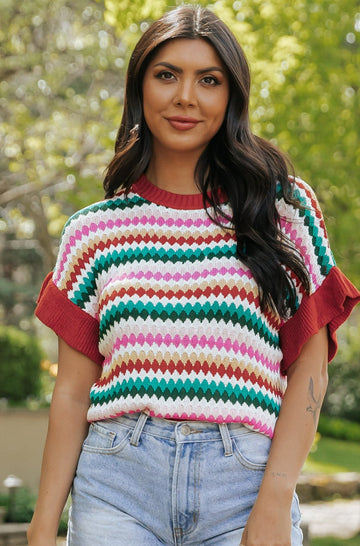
(332, 296)
(68, 300)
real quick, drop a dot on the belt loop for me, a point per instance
(140, 423)
(225, 435)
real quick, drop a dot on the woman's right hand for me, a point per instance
(67, 429)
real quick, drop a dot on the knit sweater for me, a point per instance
(151, 289)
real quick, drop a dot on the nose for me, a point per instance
(185, 93)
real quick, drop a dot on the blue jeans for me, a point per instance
(143, 481)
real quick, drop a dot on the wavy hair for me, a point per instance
(244, 166)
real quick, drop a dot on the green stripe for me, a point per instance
(179, 390)
(324, 261)
(325, 258)
(87, 288)
(236, 315)
(116, 203)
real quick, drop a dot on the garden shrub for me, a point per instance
(20, 356)
(340, 429)
(343, 394)
(24, 504)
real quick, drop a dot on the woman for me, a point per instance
(193, 303)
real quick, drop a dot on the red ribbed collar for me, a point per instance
(149, 191)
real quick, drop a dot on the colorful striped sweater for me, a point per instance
(151, 289)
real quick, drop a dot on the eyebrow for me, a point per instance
(180, 70)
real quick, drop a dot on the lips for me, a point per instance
(183, 123)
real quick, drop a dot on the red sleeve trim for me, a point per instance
(329, 306)
(68, 321)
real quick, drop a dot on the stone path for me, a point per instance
(338, 518)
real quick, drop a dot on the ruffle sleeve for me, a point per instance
(332, 296)
(68, 300)
(329, 306)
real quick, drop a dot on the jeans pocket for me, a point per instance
(105, 439)
(252, 449)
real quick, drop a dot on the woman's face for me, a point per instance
(185, 96)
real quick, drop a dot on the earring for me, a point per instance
(134, 132)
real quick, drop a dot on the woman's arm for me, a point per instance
(270, 522)
(66, 432)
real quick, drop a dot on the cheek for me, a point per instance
(221, 112)
(149, 100)
(154, 99)
(219, 107)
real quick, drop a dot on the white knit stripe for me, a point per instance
(232, 362)
(204, 379)
(215, 271)
(158, 325)
(207, 410)
(247, 340)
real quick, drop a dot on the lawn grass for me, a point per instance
(332, 456)
(331, 541)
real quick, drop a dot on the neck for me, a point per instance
(174, 174)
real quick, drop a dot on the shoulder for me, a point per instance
(305, 215)
(101, 214)
(304, 227)
(301, 190)
(304, 195)
(85, 232)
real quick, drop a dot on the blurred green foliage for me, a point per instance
(19, 364)
(332, 456)
(333, 541)
(23, 508)
(341, 429)
(343, 393)
(61, 88)
(61, 85)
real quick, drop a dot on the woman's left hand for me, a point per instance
(268, 525)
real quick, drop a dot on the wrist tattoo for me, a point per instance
(315, 404)
(278, 474)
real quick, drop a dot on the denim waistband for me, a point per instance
(180, 431)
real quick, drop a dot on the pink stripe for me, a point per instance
(63, 261)
(168, 222)
(187, 276)
(292, 233)
(255, 425)
(193, 342)
(118, 223)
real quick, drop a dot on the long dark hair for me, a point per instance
(246, 167)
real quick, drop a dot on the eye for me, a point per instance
(210, 80)
(165, 75)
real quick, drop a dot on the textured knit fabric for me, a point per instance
(151, 289)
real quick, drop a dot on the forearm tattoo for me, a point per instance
(315, 404)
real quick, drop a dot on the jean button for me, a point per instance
(185, 430)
